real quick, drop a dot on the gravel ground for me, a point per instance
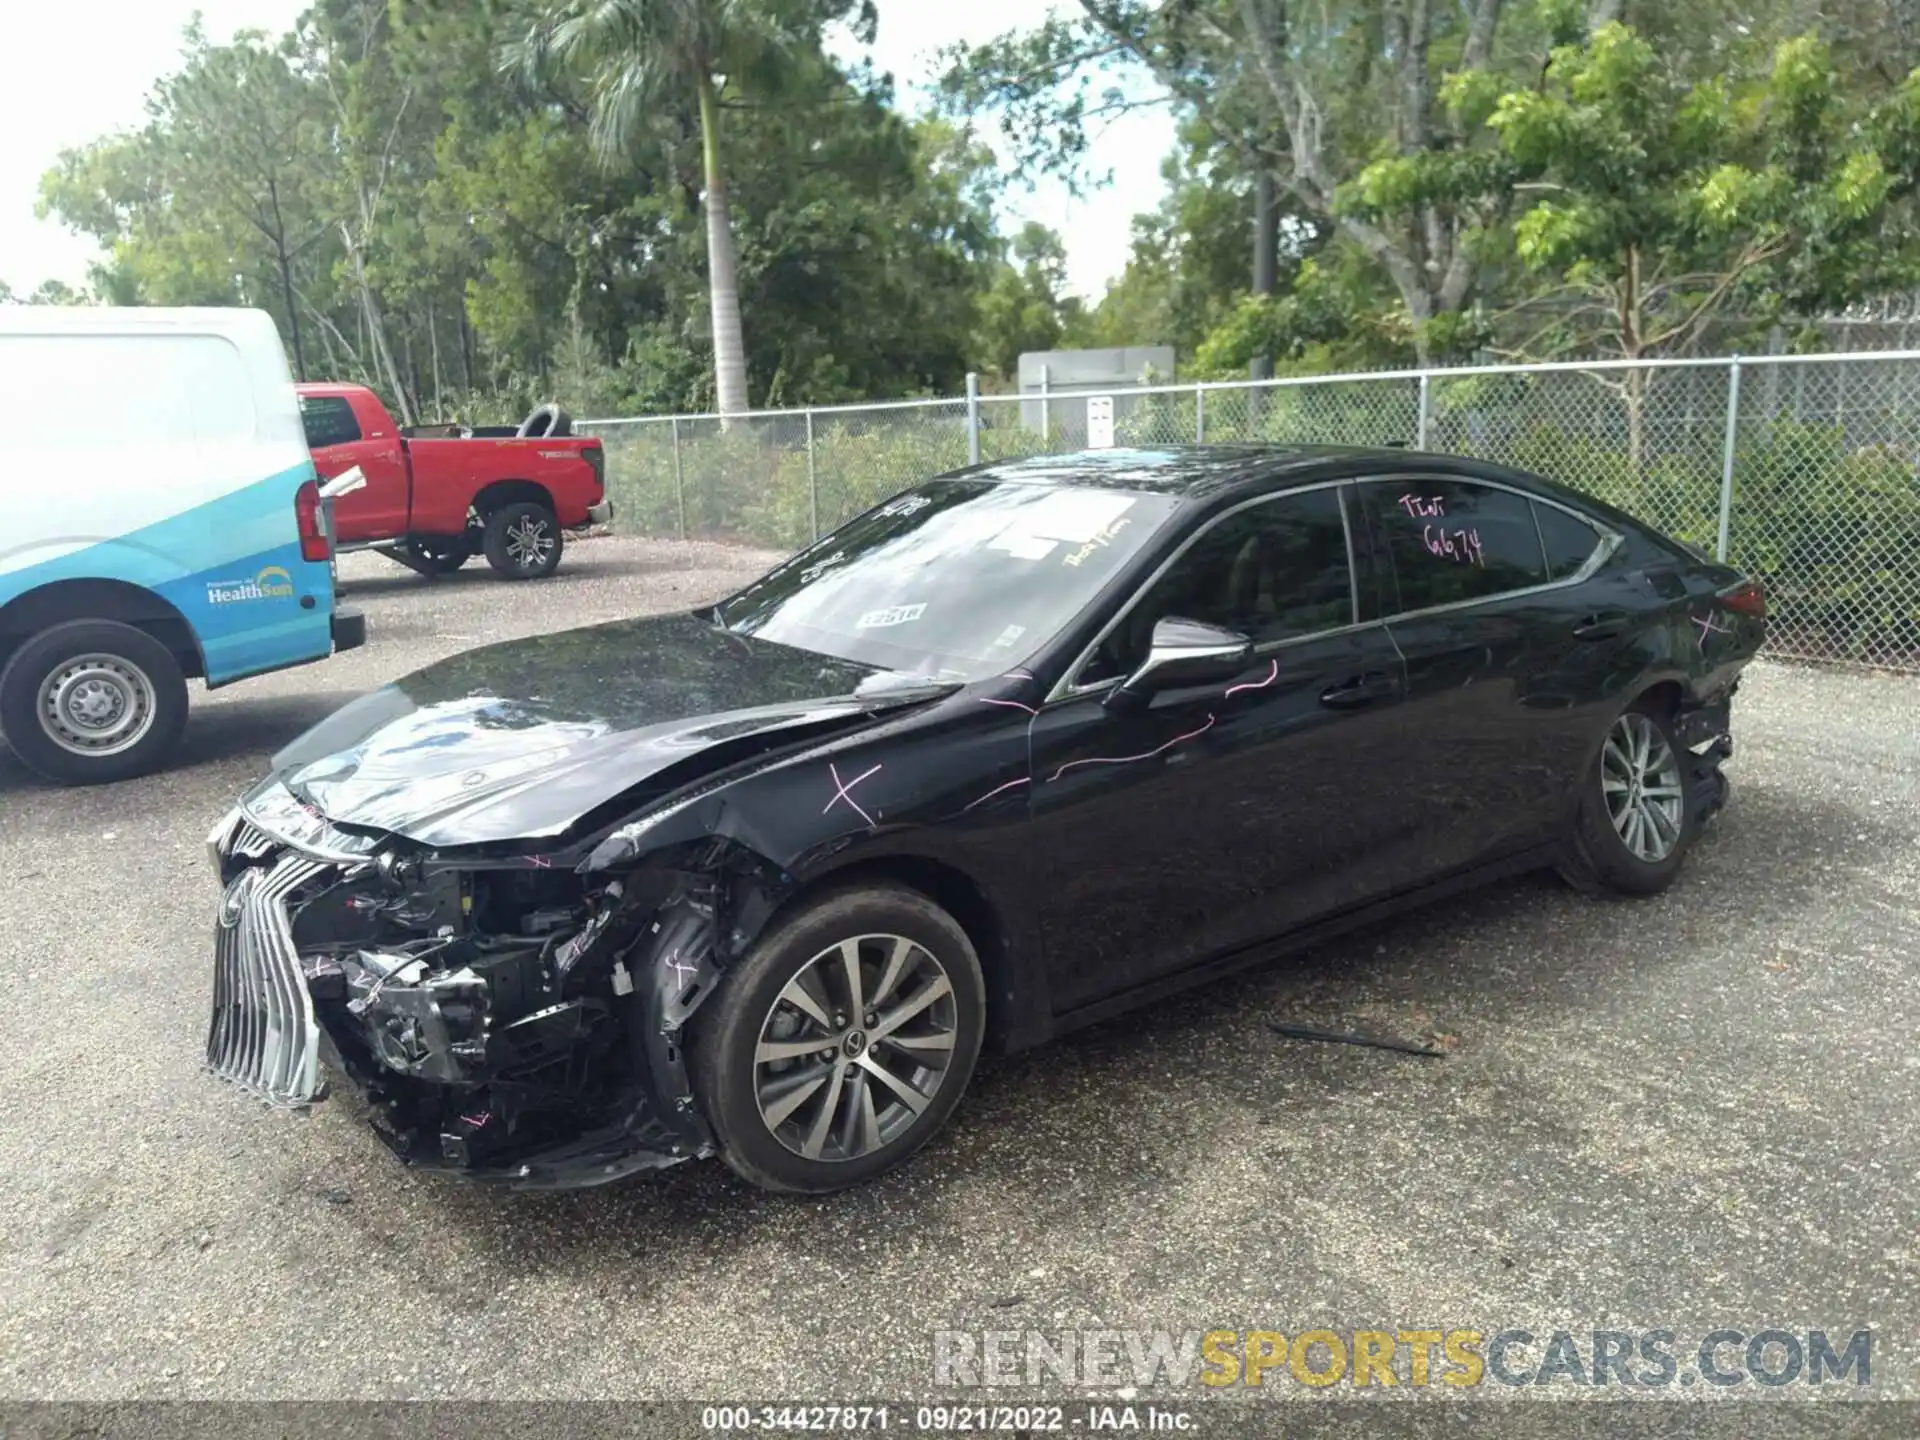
(1684, 1113)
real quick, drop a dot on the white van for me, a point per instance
(159, 520)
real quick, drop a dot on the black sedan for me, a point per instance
(1022, 747)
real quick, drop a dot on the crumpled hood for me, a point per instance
(519, 740)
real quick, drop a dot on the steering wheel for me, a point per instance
(549, 419)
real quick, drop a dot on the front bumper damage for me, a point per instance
(504, 1018)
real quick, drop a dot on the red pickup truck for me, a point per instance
(438, 495)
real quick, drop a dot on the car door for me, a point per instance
(378, 509)
(1217, 815)
(1507, 641)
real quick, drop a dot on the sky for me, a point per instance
(132, 43)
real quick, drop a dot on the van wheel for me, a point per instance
(92, 701)
(523, 540)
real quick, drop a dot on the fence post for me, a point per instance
(973, 418)
(679, 483)
(1420, 429)
(1726, 458)
(1046, 403)
(1199, 415)
(813, 484)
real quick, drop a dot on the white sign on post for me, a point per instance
(1099, 422)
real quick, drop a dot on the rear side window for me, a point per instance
(329, 421)
(1452, 540)
(1568, 540)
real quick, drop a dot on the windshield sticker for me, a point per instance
(1077, 516)
(1098, 542)
(1074, 518)
(1008, 636)
(820, 567)
(893, 615)
(1023, 546)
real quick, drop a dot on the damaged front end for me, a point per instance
(506, 1017)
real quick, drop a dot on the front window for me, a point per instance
(1278, 570)
(958, 579)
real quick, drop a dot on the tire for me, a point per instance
(92, 701)
(441, 556)
(523, 541)
(1601, 857)
(766, 1142)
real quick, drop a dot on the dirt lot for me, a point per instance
(1686, 1113)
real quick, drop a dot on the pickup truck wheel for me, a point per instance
(92, 701)
(523, 540)
(441, 556)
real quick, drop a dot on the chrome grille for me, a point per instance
(250, 842)
(263, 1036)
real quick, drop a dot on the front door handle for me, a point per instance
(1361, 690)
(1601, 627)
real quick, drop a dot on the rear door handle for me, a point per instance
(1361, 690)
(1601, 627)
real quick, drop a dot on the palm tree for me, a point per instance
(632, 56)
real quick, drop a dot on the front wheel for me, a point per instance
(1636, 819)
(523, 540)
(439, 555)
(842, 1043)
(92, 701)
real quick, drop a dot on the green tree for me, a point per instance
(636, 55)
(1026, 308)
(1308, 95)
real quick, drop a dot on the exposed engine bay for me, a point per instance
(510, 1018)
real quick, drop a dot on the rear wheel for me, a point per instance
(523, 540)
(92, 701)
(842, 1043)
(1636, 818)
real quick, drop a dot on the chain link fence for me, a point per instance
(1804, 470)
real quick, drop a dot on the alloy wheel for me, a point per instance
(529, 542)
(96, 705)
(1640, 782)
(855, 1047)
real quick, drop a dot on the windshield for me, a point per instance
(956, 579)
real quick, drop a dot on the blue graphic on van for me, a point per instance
(231, 567)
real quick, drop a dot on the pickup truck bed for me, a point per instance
(436, 496)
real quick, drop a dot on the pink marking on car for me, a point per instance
(843, 790)
(1000, 789)
(1016, 704)
(1129, 759)
(1272, 675)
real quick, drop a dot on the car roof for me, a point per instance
(1203, 472)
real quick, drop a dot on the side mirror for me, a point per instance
(1184, 652)
(345, 483)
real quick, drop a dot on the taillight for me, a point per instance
(597, 458)
(1746, 597)
(314, 544)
